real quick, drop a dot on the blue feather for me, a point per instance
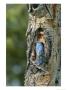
(39, 48)
(39, 53)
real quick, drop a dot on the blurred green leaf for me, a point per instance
(16, 25)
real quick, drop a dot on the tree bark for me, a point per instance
(44, 26)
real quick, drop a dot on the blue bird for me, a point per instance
(40, 53)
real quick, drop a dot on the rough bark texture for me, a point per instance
(44, 19)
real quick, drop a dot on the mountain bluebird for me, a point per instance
(40, 54)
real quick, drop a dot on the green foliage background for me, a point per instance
(16, 26)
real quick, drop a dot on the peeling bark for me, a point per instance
(44, 18)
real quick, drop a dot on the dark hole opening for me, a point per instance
(35, 6)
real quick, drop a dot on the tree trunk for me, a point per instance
(43, 45)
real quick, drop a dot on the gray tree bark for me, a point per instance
(44, 26)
